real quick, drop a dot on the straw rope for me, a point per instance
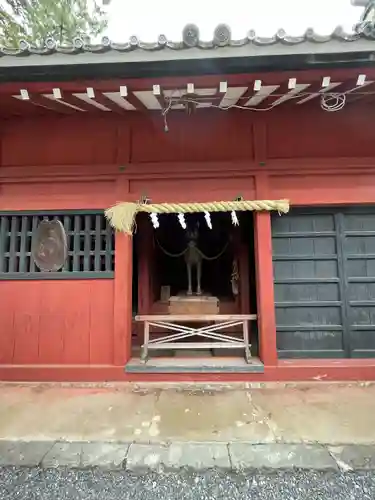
(122, 216)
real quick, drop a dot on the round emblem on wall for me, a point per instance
(49, 246)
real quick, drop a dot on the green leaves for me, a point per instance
(37, 20)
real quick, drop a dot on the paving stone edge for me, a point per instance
(197, 456)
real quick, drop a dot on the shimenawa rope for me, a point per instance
(122, 216)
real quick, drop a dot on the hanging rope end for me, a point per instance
(122, 217)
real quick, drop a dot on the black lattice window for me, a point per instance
(90, 242)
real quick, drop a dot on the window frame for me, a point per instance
(60, 275)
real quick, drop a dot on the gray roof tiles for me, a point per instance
(190, 39)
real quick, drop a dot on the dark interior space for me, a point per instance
(135, 275)
(170, 237)
(170, 271)
(246, 229)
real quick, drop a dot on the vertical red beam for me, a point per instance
(123, 286)
(144, 260)
(144, 281)
(264, 279)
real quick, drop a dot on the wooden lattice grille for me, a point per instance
(90, 242)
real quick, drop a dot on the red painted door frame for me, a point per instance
(122, 304)
(264, 288)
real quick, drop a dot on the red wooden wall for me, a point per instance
(56, 322)
(300, 153)
(290, 132)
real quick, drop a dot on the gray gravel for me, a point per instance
(61, 484)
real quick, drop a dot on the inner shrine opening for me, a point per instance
(209, 253)
(218, 256)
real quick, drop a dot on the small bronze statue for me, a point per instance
(193, 258)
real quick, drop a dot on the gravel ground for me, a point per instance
(63, 484)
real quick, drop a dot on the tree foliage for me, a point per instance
(37, 20)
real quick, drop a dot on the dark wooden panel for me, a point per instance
(301, 225)
(308, 298)
(324, 279)
(359, 251)
(304, 291)
(305, 343)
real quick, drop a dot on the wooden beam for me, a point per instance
(79, 103)
(108, 103)
(122, 287)
(364, 94)
(264, 279)
(286, 370)
(44, 102)
(143, 248)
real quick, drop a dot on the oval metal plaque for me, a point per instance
(49, 246)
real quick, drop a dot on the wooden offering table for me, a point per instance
(180, 331)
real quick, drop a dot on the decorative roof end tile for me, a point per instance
(190, 35)
(162, 40)
(222, 35)
(134, 42)
(251, 35)
(78, 43)
(106, 42)
(50, 44)
(24, 46)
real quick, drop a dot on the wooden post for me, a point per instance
(264, 277)
(265, 291)
(144, 249)
(123, 287)
(144, 254)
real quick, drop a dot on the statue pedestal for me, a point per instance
(193, 304)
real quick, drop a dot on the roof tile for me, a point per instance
(190, 38)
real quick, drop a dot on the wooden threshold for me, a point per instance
(194, 365)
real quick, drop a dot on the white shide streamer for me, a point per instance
(181, 220)
(234, 217)
(207, 216)
(154, 220)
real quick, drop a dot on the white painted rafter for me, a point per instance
(89, 100)
(359, 87)
(206, 92)
(323, 90)
(148, 99)
(261, 95)
(174, 94)
(120, 101)
(232, 96)
(220, 95)
(300, 87)
(61, 101)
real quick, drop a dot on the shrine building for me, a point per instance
(189, 211)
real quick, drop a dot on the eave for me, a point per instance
(136, 59)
